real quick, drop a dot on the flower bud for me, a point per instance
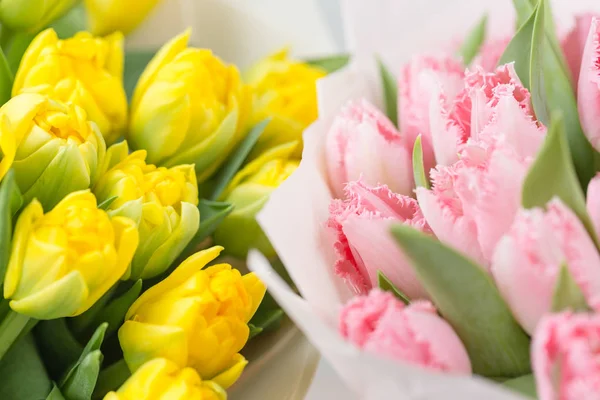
(54, 141)
(83, 70)
(188, 108)
(161, 378)
(197, 317)
(163, 202)
(414, 334)
(286, 91)
(32, 15)
(62, 262)
(248, 192)
(588, 88)
(108, 16)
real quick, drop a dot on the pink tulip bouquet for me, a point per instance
(443, 226)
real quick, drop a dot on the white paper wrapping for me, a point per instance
(294, 216)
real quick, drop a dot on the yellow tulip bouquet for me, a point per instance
(121, 189)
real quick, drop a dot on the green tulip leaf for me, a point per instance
(536, 65)
(10, 203)
(468, 299)
(523, 8)
(554, 160)
(268, 317)
(81, 383)
(421, 179)
(390, 92)
(330, 64)
(254, 331)
(19, 42)
(114, 313)
(55, 394)
(6, 79)
(106, 203)
(519, 50)
(237, 158)
(135, 63)
(111, 378)
(472, 44)
(92, 346)
(56, 342)
(385, 284)
(524, 385)
(567, 294)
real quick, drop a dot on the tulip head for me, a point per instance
(83, 70)
(163, 201)
(32, 15)
(161, 378)
(197, 317)
(248, 191)
(415, 334)
(63, 261)
(110, 16)
(588, 87)
(188, 108)
(286, 91)
(54, 141)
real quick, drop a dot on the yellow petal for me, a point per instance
(228, 377)
(256, 289)
(43, 40)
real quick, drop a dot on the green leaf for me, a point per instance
(524, 8)
(114, 313)
(86, 323)
(567, 294)
(385, 284)
(536, 66)
(56, 342)
(254, 331)
(421, 179)
(331, 63)
(524, 385)
(519, 51)
(135, 64)
(6, 79)
(472, 44)
(92, 345)
(268, 316)
(237, 158)
(10, 203)
(111, 378)
(552, 175)
(18, 44)
(106, 203)
(55, 394)
(80, 385)
(390, 92)
(468, 299)
(23, 374)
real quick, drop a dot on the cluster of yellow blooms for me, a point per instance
(60, 136)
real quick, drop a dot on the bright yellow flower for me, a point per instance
(62, 262)
(286, 91)
(108, 16)
(188, 108)
(197, 317)
(58, 150)
(248, 191)
(161, 379)
(163, 201)
(83, 70)
(32, 15)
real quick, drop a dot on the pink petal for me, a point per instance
(573, 44)
(588, 93)
(593, 202)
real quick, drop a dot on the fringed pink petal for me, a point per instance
(588, 93)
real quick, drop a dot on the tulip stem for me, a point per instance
(11, 328)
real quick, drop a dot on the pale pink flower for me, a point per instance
(419, 80)
(490, 53)
(361, 226)
(573, 44)
(593, 202)
(414, 334)
(566, 357)
(588, 88)
(362, 142)
(529, 257)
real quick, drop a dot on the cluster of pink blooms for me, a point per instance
(480, 136)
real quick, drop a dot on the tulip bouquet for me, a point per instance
(119, 185)
(446, 224)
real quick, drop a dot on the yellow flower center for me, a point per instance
(64, 122)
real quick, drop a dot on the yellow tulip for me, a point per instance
(248, 191)
(108, 16)
(188, 108)
(58, 151)
(163, 201)
(83, 70)
(62, 262)
(197, 317)
(286, 91)
(32, 15)
(161, 379)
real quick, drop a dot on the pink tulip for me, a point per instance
(364, 246)
(588, 88)
(593, 202)
(362, 142)
(414, 334)
(565, 357)
(529, 257)
(490, 53)
(573, 44)
(423, 77)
